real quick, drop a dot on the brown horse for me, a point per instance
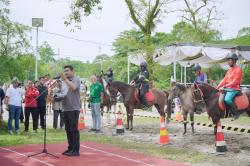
(210, 95)
(184, 93)
(106, 100)
(131, 102)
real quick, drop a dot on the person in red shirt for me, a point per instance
(231, 84)
(31, 94)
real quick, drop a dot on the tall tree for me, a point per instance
(201, 14)
(146, 14)
(13, 36)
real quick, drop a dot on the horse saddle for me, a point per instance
(241, 101)
(149, 96)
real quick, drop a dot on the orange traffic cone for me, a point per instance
(220, 144)
(164, 138)
(81, 124)
(119, 124)
(178, 115)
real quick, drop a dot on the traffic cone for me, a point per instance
(81, 124)
(220, 144)
(164, 138)
(119, 124)
(178, 115)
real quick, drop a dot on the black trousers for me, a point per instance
(21, 115)
(144, 87)
(71, 127)
(41, 113)
(33, 112)
(55, 119)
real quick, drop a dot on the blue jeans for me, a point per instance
(230, 95)
(96, 115)
(14, 113)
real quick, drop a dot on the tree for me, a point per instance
(243, 32)
(128, 41)
(13, 36)
(146, 14)
(46, 53)
(200, 14)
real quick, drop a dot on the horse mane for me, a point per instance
(181, 87)
(120, 84)
(208, 88)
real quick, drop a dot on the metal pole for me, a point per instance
(36, 68)
(174, 67)
(181, 74)
(185, 75)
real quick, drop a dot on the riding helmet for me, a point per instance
(197, 67)
(143, 64)
(232, 56)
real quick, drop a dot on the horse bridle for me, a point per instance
(200, 94)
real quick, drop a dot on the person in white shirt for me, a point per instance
(13, 101)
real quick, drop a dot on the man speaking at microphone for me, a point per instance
(71, 105)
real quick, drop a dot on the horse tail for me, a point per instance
(168, 105)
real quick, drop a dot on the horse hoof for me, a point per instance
(131, 129)
(184, 133)
(127, 128)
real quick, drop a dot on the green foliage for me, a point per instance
(46, 53)
(243, 32)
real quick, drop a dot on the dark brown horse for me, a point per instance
(184, 93)
(106, 100)
(132, 103)
(210, 95)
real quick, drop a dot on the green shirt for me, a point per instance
(95, 92)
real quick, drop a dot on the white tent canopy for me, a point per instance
(187, 54)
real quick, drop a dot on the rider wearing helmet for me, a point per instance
(142, 83)
(231, 84)
(109, 75)
(201, 77)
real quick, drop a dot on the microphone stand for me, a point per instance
(44, 151)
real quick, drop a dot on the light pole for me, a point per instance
(37, 22)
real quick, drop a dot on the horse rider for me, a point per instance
(109, 74)
(201, 77)
(141, 82)
(231, 84)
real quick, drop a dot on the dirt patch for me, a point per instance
(203, 141)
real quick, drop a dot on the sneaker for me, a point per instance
(92, 130)
(10, 132)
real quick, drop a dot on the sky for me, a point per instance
(104, 27)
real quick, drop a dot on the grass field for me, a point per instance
(53, 136)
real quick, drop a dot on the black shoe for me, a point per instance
(66, 151)
(91, 130)
(72, 153)
(97, 131)
(235, 117)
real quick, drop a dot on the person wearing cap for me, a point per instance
(13, 101)
(201, 77)
(141, 81)
(231, 84)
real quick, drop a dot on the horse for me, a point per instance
(186, 100)
(131, 101)
(215, 108)
(106, 100)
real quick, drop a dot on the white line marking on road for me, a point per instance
(116, 155)
(27, 156)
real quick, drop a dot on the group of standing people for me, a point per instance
(34, 99)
